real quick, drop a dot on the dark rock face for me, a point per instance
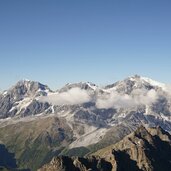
(77, 164)
(34, 108)
(5, 106)
(124, 162)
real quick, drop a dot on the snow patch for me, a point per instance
(92, 86)
(166, 118)
(123, 115)
(5, 93)
(23, 104)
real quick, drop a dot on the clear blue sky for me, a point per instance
(60, 41)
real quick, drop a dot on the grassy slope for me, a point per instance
(35, 141)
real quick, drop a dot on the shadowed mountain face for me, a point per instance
(7, 159)
(146, 149)
(124, 162)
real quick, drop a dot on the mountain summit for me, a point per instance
(18, 98)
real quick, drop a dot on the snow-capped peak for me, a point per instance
(154, 83)
(134, 78)
(147, 80)
(91, 85)
(27, 88)
(81, 85)
(135, 82)
(26, 80)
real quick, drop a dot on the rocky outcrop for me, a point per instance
(77, 164)
(146, 149)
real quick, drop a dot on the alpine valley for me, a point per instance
(86, 126)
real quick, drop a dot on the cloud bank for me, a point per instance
(76, 96)
(168, 89)
(71, 97)
(138, 97)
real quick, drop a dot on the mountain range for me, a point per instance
(79, 119)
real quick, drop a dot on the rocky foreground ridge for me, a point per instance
(146, 149)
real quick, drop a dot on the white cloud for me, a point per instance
(168, 89)
(144, 97)
(138, 97)
(71, 97)
(113, 100)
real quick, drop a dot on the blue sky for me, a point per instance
(101, 41)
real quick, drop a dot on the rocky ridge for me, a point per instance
(146, 149)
